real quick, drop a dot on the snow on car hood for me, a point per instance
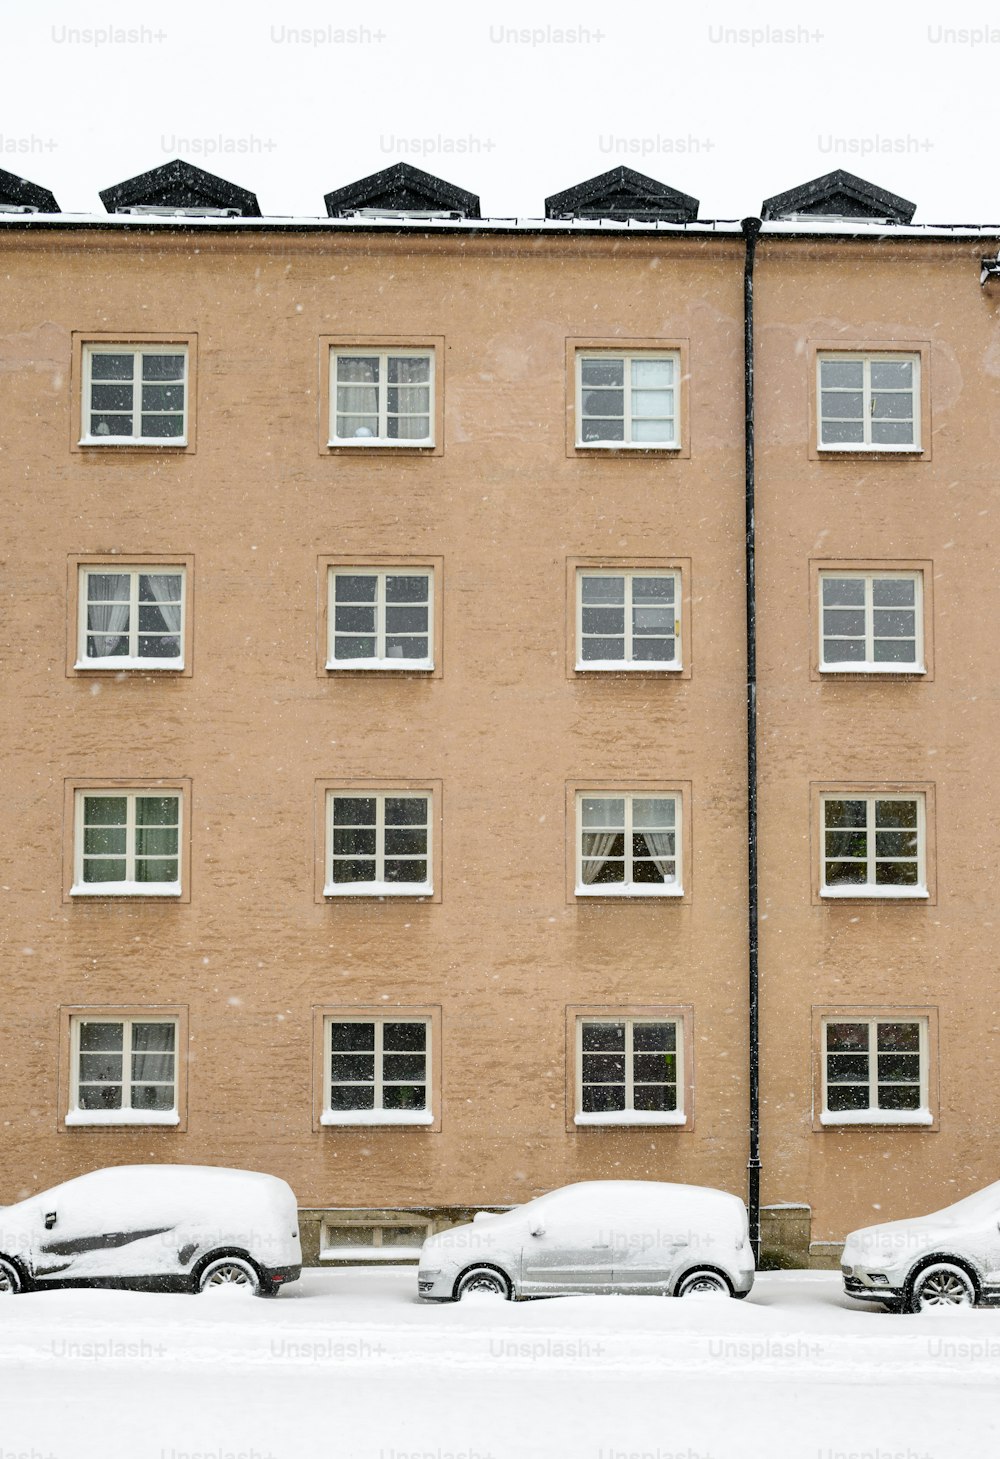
(891, 1240)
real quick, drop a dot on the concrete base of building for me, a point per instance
(785, 1230)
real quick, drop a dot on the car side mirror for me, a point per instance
(537, 1231)
(50, 1220)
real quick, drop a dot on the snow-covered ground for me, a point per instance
(349, 1363)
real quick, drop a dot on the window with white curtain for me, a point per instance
(127, 843)
(123, 1070)
(381, 397)
(628, 400)
(628, 844)
(131, 617)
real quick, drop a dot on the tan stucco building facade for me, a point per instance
(375, 725)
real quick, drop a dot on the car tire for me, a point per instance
(483, 1279)
(230, 1271)
(704, 1280)
(942, 1284)
(10, 1278)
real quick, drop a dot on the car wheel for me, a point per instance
(704, 1281)
(10, 1281)
(230, 1271)
(483, 1279)
(942, 1285)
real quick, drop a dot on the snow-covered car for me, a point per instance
(631, 1236)
(172, 1227)
(947, 1259)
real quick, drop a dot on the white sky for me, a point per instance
(729, 122)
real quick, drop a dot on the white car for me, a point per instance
(180, 1227)
(598, 1236)
(948, 1259)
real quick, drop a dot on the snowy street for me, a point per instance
(349, 1363)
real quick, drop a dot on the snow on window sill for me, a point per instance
(619, 666)
(377, 1117)
(872, 669)
(126, 663)
(123, 1117)
(855, 448)
(628, 445)
(365, 443)
(632, 1117)
(380, 665)
(377, 889)
(878, 1117)
(876, 893)
(132, 441)
(611, 890)
(126, 889)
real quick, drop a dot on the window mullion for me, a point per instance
(136, 394)
(627, 848)
(133, 615)
(873, 1063)
(380, 592)
(130, 816)
(379, 1101)
(629, 1077)
(867, 404)
(869, 620)
(126, 1062)
(628, 617)
(870, 836)
(383, 397)
(380, 838)
(627, 400)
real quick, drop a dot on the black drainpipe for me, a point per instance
(751, 228)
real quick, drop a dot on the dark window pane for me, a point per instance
(404, 1036)
(654, 1068)
(353, 871)
(900, 1038)
(350, 1036)
(603, 430)
(354, 810)
(352, 1068)
(604, 1068)
(344, 1097)
(846, 873)
(404, 1066)
(899, 1096)
(654, 1098)
(100, 1096)
(163, 367)
(406, 871)
(891, 813)
(355, 588)
(354, 841)
(603, 1098)
(112, 367)
(896, 874)
(847, 1068)
(841, 1098)
(845, 813)
(846, 1037)
(607, 1037)
(411, 811)
(654, 1036)
(404, 1096)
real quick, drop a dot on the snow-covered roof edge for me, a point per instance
(791, 228)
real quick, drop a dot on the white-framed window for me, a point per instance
(875, 1071)
(381, 397)
(381, 618)
(378, 1070)
(868, 402)
(131, 617)
(630, 1071)
(127, 843)
(135, 394)
(379, 843)
(625, 400)
(871, 622)
(628, 845)
(874, 845)
(628, 619)
(123, 1071)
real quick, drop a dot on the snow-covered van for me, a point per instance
(173, 1227)
(639, 1236)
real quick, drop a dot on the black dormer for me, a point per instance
(838, 195)
(18, 192)
(622, 193)
(401, 189)
(181, 186)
